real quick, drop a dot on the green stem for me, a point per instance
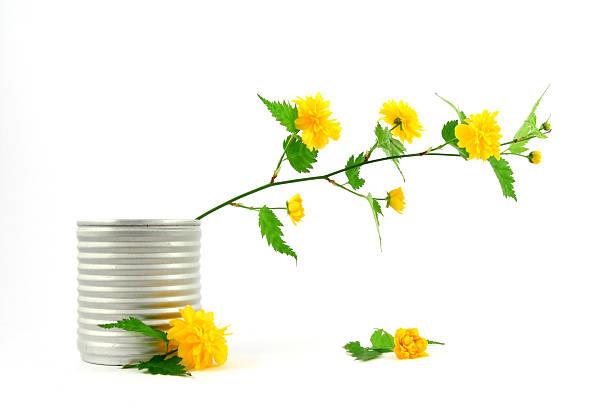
(352, 191)
(369, 152)
(439, 147)
(256, 208)
(280, 161)
(435, 342)
(322, 177)
(516, 154)
(517, 140)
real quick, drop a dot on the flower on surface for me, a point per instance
(408, 344)
(480, 136)
(404, 118)
(396, 200)
(198, 340)
(535, 157)
(314, 122)
(295, 209)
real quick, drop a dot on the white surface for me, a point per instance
(149, 110)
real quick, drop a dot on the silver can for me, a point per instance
(142, 268)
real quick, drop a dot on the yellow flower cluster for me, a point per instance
(480, 136)
(403, 118)
(408, 344)
(314, 122)
(198, 339)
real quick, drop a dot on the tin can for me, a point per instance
(142, 268)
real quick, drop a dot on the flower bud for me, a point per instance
(545, 126)
(535, 157)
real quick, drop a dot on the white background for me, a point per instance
(148, 109)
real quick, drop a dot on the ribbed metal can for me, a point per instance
(142, 268)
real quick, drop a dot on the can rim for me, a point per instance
(138, 223)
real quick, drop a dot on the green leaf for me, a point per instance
(518, 147)
(530, 128)
(284, 112)
(361, 353)
(382, 341)
(134, 325)
(300, 157)
(375, 211)
(353, 174)
(448, 134)
(377, 207)
(270, 229)
(460, 113)
(389, 145)
(159, 364)
(504, 175)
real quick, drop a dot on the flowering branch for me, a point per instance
(310, 128)
(322, 177)
(406, 344)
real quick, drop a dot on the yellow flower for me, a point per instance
(395, 199)
(314, 122)
(480, 136)
(295, 209)
(198, 340)
(535, 157)
(406, 119)
(408, 344)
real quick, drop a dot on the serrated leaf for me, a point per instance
(460, 113)
(135, 325)
(284, 112)
(355, 349)
(300, 157)
(353, 174)
(159, 364)
(375, 211)
(504, 175)
(270, 229)
(529, 127)
(389, 145)
(382, 341)
(448, 134)
(518, 147)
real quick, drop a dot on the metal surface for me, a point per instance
(143, 268)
